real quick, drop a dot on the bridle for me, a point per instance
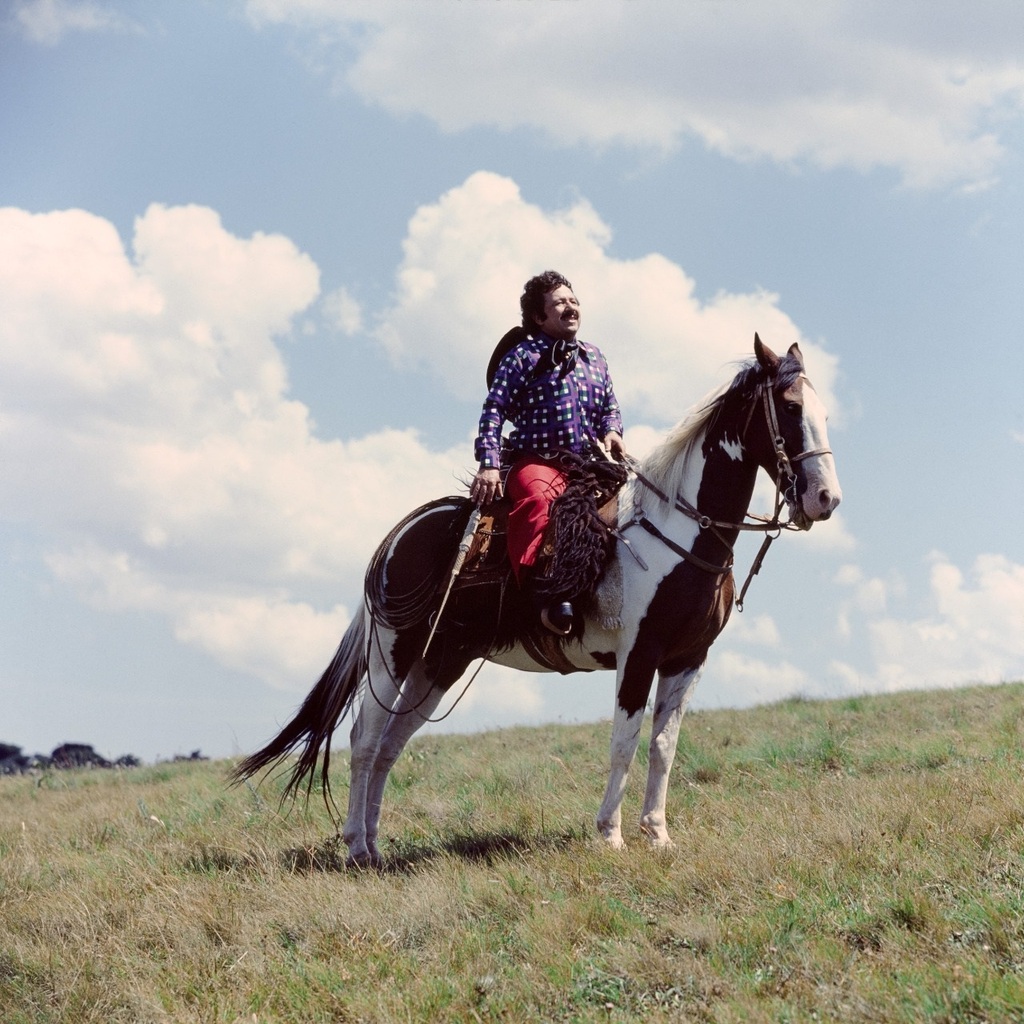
(783, 460)
(772, 526)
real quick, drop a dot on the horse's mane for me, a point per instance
(666, 465)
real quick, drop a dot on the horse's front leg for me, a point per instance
(625, 736)
(673, 694)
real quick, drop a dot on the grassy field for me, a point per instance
(859, 860)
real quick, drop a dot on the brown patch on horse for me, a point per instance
(692, 643)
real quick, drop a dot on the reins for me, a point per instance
(772, 526)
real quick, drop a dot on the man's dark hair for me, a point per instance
(532, 300)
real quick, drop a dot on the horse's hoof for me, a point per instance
(613, 840)
(364, 861)
(657, 838)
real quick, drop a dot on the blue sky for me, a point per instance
(254, 256)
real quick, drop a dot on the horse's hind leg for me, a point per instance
(418, 701)
(670, 702)
(380, 695)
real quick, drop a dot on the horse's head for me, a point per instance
(793, 442)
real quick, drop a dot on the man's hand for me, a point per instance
(486, 486)
(615, 447)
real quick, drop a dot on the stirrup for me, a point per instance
(557, 618)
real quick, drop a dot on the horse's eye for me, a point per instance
(794, 408)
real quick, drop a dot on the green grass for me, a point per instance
(856, 860)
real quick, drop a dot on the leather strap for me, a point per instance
(689, 556)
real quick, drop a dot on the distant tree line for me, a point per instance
(69, 755)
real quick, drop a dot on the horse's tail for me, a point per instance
(313, 725)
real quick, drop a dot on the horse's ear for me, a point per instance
(765, 356)
(794, 351)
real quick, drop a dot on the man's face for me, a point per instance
(561, 314)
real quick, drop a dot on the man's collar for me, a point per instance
(546, 339)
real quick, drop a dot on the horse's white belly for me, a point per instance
(517, 658)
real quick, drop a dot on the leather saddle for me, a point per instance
(487, 572)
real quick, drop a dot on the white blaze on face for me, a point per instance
(823, 492)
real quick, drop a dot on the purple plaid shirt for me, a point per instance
(548, 412)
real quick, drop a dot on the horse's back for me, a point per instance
(412, 563)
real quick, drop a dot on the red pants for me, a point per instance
(532, 485)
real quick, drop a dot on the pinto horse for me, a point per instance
(665, 596)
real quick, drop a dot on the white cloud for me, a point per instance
(846, 84)
(973, 633)
(466, 257)
(738, 680)
(149, 442)
(151, 447)
(868, 596)
(343, 311)
(48, 21)
(755, 630)
(285, 642)
(970, 633)
(149, 439)
(270, 636)
(499, 693)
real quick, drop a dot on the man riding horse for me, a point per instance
(653, 618)
(557, 393)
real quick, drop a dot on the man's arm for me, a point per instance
(611, 418)
(486, 486)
